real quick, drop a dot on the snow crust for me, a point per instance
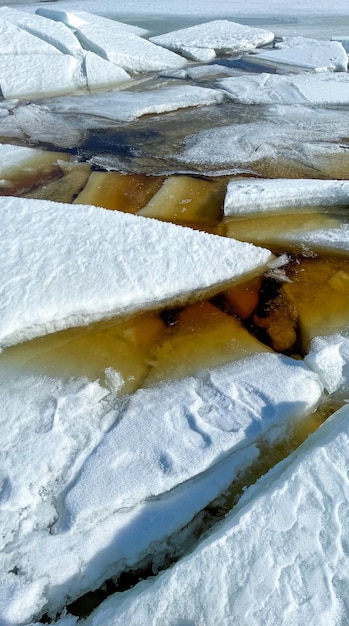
(204, 41)
(74, 508)
(306, 53)
(65, 265)
(57, 35)
(325, 88)
(282, 552)
(263, 196)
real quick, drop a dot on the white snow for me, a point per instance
(306, 54)
(344, 40)
(325, 88)
(75, 19)
(204, 41)
(26, 75)
(100, 72)
(280, 557)
(127, 50)
(75, 511)
(329, 358)
(65, 265)
(127, 105)
(57, 35)
(264, 196)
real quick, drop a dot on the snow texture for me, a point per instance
(329, 358)
(306, 54)
(204, 41)
(74, 511)
(75, 19)
(325, 88)
(65, 265)
(127, 50)
(282, 552)
(264, 196)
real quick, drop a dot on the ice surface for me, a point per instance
(75, 19)
(326, 88)
(96, 264)
(34, 75)
(57, 35)
(15, 41)
(100, 72)
(127, 50)
(329, 358)
(344, 40)
(73, 516)
(204, 41)
(127, 106)
(248, 197)
(306, 54)
(282, 552)
(20, 165)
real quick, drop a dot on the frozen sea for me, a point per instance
(155, 479)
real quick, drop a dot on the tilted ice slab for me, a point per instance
(127, 50)
(204, 41)
(57, 35)
(75, 19)
(304, 53)
(279, 558)
(34, 75)
(65, 265)
(263, 196)
(18, 162)
(100, 72)
(71, 524)
(329, 358)
(127, 106)
(344, 40)
(326, 88)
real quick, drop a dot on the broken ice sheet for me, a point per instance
(103, 518)
(303, 53)
(96, 264)
(119, 355)
(126, 106)
(262, 196)
(22, 167)
(113, 190)
(187, 200)
(329, 357)
(325, 88)
(204, 41)
(313, 231)
(282, 552)
(57, 35)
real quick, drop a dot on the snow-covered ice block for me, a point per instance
(97, 264)
(20, 165)
(279, 558)
(127, 106)
(204, 41)
(75, 19)
(71, 521)
(260, 196)
(41, 74)
(329, 358)
(325, 88)
(127, 50)
(57, 35)
(305, 53)
(15, 41)
(344, 40)
(100, 72)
